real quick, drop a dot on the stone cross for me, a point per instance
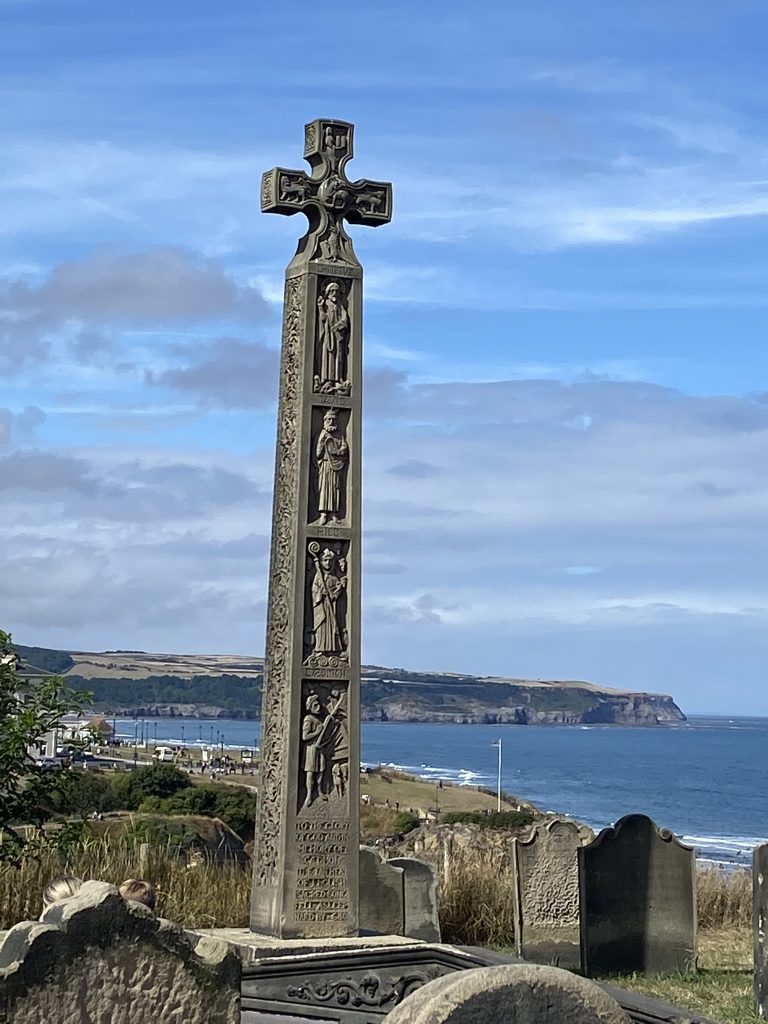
(307, 828)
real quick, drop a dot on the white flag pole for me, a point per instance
(498, 788)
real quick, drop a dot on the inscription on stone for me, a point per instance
(322, 889)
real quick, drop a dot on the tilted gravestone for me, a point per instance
(305, 880)
(760, 926)
(96, 957)
(419, 899)
(514, 994)
(382, 894)
(545, 868)
(637, 887)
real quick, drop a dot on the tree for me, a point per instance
(27, 789)
(155, 780)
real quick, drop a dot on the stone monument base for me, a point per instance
(359, 980)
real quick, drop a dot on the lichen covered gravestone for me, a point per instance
(305, 880)
(637, 886)
(514, 994)
(546, 894)
(95, 957)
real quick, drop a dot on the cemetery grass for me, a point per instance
(720, 989)
(196, 893)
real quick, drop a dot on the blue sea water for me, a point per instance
(706, 779)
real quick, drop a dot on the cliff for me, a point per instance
(229, 686)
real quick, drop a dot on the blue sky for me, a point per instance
(566, 421)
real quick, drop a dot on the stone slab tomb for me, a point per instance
(760, 926)
(546, 895)
(637, 888)
(97, 958)
(514, 994)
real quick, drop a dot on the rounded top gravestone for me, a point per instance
(509, 994)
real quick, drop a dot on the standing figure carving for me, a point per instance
(328, 631)
(325, 736)
(331, 459)
(332, 340)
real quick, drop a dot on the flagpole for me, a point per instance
(498, 788)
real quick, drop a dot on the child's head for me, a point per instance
(140, 891)
(60, 889)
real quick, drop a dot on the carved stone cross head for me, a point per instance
(327, 196)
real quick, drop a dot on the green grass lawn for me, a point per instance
(720, 989)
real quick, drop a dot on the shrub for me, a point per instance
(496, 819)
(155, 780)
(405, 821)
(86, 792)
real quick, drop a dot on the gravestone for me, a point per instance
(96, 957)
(637, 887)
(545, 868)
(382, 894)
(514, 994)
(760, 926)
(420, 899)
(305, 880)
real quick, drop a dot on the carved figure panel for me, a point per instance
(326, 639)
(324, 774)
(330, 465)
(334, 246)
(332, 338)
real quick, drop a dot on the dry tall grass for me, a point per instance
(475, 897)
(196, 894)
(475, 900)
(724, 898)
(476, 908)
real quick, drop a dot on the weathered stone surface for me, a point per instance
(382, 895)
(546, 895)
(420, 899)
(306, 867)
(638, 900)
(760, 926)
(514, 994)
(98, 958)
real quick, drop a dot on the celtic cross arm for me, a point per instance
(327, 196)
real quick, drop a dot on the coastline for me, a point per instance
(593, 773)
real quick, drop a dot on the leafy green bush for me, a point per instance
(405, 821)
(155, 780)
(86, 792)
(236, 807)
(496, 819)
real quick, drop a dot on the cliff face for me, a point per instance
(229, 686)
(510, 702)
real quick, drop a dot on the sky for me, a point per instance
(566, 399)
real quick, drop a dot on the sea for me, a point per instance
(705, 779)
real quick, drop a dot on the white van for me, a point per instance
(163, 754)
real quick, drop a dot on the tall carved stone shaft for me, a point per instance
(307, 829)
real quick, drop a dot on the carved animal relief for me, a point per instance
(326, 639)
(332, 339)
(325, 744)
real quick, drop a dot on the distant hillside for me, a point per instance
(229, 686)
